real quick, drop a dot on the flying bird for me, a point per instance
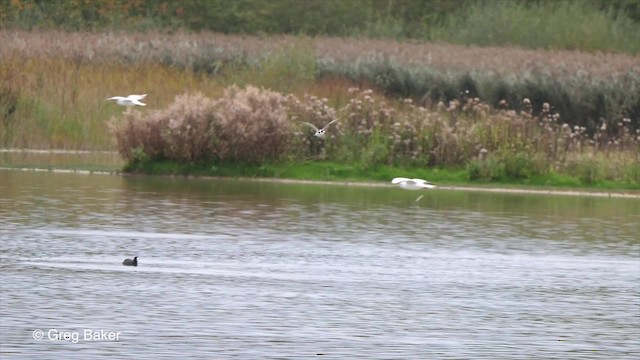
(130, 100)
(412, 184)
(320, 133)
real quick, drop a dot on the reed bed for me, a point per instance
(55, 103)
(205, 49)
(585, 88)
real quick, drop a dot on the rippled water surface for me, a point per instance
(257, 270)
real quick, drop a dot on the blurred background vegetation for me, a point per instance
(546, 88)
(591, 25)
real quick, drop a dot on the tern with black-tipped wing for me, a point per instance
(320, 133)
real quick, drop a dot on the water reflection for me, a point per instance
(263, 270)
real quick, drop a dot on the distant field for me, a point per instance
(593, 25)
(201, 51)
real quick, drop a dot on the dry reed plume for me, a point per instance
(197, 49)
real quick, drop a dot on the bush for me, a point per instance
(485, 169)
(245, 125)
(589, 172)
(254, 125)
(185, 131)
(523, 165)
(632, 174)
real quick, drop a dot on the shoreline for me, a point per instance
(56, 151)
(489, 188)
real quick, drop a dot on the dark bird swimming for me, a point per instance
(129, 262)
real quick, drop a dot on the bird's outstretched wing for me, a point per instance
(423, 183)
(137, 97)
(332, 121)
(310, 124)
(399, 180)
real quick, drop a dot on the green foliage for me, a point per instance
(588, 172)
(524, 165)
(138, 155)
(331, 171)
(508, 166)
(487, 169)
(597, 25)
(632, 174)
(600, 168)
(543, 24)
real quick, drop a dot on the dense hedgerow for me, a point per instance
(251, 125)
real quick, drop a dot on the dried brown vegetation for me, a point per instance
(586, 88)
(245, 125)
(191, 49)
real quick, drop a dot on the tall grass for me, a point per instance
(289, 69)
(61, 103)
(572, 25)
(585, 89)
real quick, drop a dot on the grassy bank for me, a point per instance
(263, 130)
(328, 171)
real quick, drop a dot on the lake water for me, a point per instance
(260, 270)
